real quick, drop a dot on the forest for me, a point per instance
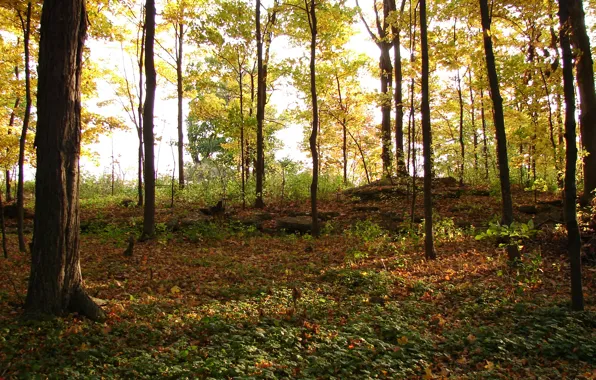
(394, 189)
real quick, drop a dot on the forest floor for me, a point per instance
(229, 296)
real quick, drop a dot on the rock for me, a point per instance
(528, 209)
(297, 213)
(460, 208)
(393, 216)
(10, 211)
(127, 202)
(446, 181)
(374, 193)
(553, 202)
(328, 215)
(480, 192)
(366, 208)
(300, 224)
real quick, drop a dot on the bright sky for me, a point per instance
(125, 143)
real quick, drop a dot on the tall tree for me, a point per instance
(150, 74)
(587, 94)
(314, 186)
(261, 100)
(55, 282)
(499, 120)
(384, 41)
(429, 249)
(573, 236)
(397, 94)
(26, 27)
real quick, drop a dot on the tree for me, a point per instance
(26, 26)
(587, 94)
(429, 250)
(384, 41)
(499, 120)
(314, 186)
(55, 282)
(261, 99)
(398, 96)
(573, 236)
(149, 211)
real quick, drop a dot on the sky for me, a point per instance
(124, 144)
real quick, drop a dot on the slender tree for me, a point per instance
(261, 100)
(397, 93)
(573, 236)
(55, 282)
(26, 27)
(587, 95)
(499, 120)
(312, 23)
(180, 92)
(149, 211)
(384, 41)
(429, 249)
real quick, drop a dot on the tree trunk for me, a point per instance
(573, 236)
(462, 146)
(429, 250)
(587, 94)
(140, 111)
(484, 135)
(312, 20)
(261, 98)
(26, 26)
(55, 282)
(10, 125)
(473, 121)
(398, 97)
(386, 81)
(149, 211)
(242, 162)
(180, 91)
(499, 120)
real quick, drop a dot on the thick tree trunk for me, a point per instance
(149, 211)
(587, 94)
(573, 236)
(261, 98)
(26, 26)
(429, 250)
(314, 186)
(499, 120)
(55, 283)
(180, 90)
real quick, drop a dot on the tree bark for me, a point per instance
(429, 250)
(149, 211)
(55, 282)
(587, 95)
(312, 20)
(261, 99)
(10, 125)
(141, 54)
(573, 236)
(499, 120)
(180, 90)
(26, 26)
(398, 96)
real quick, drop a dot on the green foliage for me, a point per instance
(516, 233)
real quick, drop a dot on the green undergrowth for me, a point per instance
(333, 329)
